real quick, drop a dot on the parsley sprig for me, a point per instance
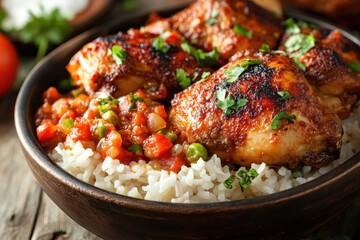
(182, 78)
(133, 100)
(118, 54)
(227, 102)
(106, 103)
(276, 121)
(159, 43)
(209, 58)
(234, 72)
(213, 17)
(354, 66)
(243, 31)
(244, 177)
(44, 30)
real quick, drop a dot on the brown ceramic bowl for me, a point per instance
(288, 214)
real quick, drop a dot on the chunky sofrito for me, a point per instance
(129, 128)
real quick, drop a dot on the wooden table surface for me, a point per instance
(26, 212)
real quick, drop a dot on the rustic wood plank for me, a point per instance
(53, 223)
(19, 192)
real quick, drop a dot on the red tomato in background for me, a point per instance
(9, 62)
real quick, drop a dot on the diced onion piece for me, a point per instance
(155, 122)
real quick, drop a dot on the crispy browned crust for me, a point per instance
(145, 68)
(245, 136)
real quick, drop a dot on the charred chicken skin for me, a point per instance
(121, 64)
(326, 58)
(229, 25)
(258, 108)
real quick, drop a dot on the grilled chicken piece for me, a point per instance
(229, 25)
(141, 66)
(327, 69)
(281, 123)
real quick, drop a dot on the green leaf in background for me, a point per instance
(2, 17)
(45, 30)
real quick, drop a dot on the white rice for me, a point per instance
(201, 182)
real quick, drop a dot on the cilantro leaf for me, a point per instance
(160, 45)
(213, 18)
(285, 95)
(226, 101)
(265, 48)
(354, 66)
(300, 43)
(133, 100)
(299, 64)
(233, 73)
(209, 58)
(45, 29)
(182, 78)
(291, 27)
(118, 54)
(242, 31)
(276, 122)
(105, 103)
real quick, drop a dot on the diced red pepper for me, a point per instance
(80, 131)
(51, 95)
(161, 111)
(157, 146)
(46, 131)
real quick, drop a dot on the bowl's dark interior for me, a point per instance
(294, 212)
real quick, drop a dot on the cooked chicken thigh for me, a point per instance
(258, 108)
(122, 63)
(228, 25)
(326, 66)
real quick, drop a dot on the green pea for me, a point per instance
(110, 117)
(196, 151)
(172, 136)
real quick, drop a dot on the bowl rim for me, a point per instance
(30, 144)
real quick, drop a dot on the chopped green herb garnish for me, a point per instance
(354, 66)
(66, 84)
(205, 75)
(134, 99)
(244, 177)
(182, 78)
(159, 43)
(118, 54)
(102, 131)
(276, 122)
(77, 92)
(285, 95)
(44, 29)
(209, 58)
(213, 18)
(265, 48)
(104, 103)
(299, 64)
(226, 101)
(300, 43)
(136, 148)
(229, 181)
(2, 17)
(67, 123)
(291, 26)
(242, 31)
(234, 72)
